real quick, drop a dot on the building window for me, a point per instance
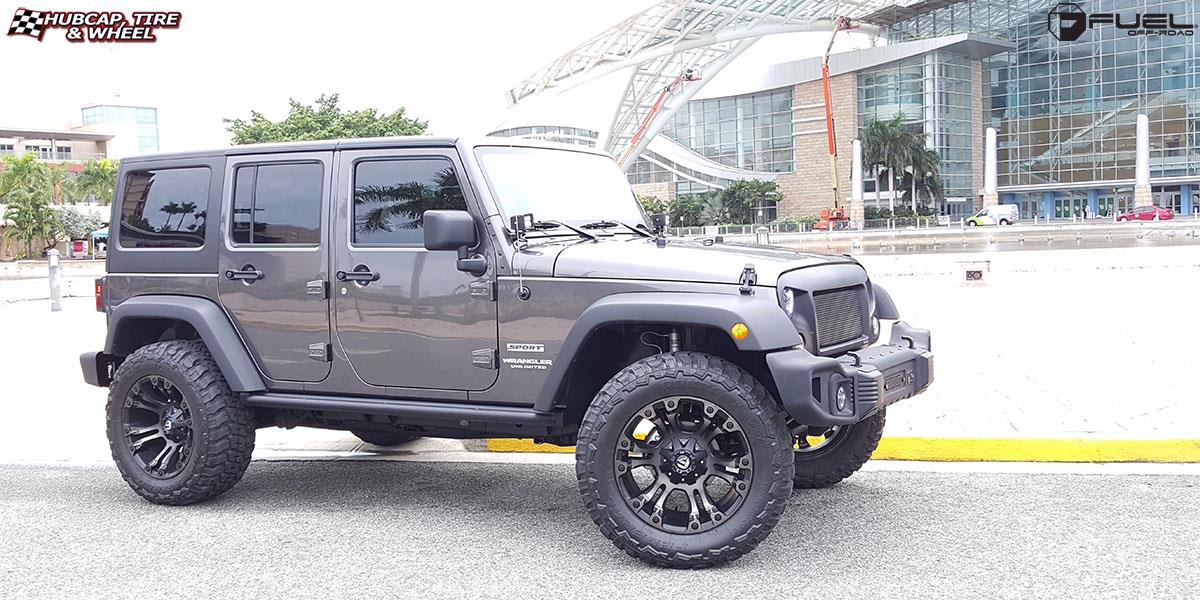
(6, 149)
(164, 208)
(752, 132)
(63, 153)
(390, 197)
(278, 204)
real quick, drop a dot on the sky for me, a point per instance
(449, 62)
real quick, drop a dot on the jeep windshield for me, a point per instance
(560, 186)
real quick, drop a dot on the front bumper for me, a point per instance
(824, 391)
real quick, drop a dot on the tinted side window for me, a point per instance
(390, 197)
(164, 208)
(277, 204)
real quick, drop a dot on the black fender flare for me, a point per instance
(210, 323)
(885, 307)
(769, 327)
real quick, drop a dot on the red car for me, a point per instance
(1147, 213)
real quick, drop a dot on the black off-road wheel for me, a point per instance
(176, 431)
(383, 439)
(684, 460)
(829, 455)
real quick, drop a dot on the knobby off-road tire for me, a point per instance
(735, 410)
(211, 431)
(840, 456)
(383, 439)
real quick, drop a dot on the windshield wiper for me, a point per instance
(608, 224)
(554, 224)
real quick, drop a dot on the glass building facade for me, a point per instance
(933, 93)
(143, 118)
(752, 132)
(1066, 111)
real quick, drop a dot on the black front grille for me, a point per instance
(839, 315)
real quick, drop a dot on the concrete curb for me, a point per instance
(984, 449)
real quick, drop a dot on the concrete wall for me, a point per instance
(664, 191)
(806, 191)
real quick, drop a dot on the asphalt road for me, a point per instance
(401, 529)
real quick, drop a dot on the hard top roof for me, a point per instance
(415, 141)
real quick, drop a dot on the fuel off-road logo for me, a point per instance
(110, 26)
(1067, 22)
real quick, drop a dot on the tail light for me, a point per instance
(101, 303)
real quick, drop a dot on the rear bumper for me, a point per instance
(825, 391)
(97, 368)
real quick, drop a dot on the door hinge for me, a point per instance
(485, 358)
(483, 289)
(320, 352)
(317, 288)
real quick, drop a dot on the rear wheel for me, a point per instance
(1005, 222)
(684, 460)
(385, 439)
(826, 456)
(177, 433)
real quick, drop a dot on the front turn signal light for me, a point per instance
(739, 331)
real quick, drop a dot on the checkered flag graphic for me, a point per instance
(28, 22)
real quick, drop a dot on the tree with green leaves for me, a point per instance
(744, 198)
(889, 144)
(25, 174)
(652, 205)
(76, 224)
(98, 179)
(924, 176)
(29, 217)
(324, 120)
(686, 211)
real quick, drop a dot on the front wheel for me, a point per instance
(971, 223)
(684, 460)
(828, 455)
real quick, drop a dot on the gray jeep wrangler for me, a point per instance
(408, 287)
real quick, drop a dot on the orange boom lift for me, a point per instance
(832, 218)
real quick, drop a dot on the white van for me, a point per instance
(1001, 214)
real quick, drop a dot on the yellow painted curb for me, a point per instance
(983, 449)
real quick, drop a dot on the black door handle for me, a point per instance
(361, 274)
(247, 273)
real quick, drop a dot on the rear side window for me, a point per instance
(277, 204)
(164, 208)
(391, 196)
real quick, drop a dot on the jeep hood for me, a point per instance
(641, 258)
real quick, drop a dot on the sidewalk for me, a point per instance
(1062, 355)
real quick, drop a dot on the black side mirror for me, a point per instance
(454, 230)
(448, 229)
(659, 222)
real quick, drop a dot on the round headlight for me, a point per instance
(874, 326)
(789, 300)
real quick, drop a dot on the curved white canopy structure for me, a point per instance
(665, 40)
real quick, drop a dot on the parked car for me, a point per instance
(1147, 213)
(1001, 214)
(420, 286)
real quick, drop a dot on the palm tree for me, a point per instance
(925, 166)
(172, 209)
(25, 173)
(889, 144)
(30, 217)
(98, 179)
(873, 139)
